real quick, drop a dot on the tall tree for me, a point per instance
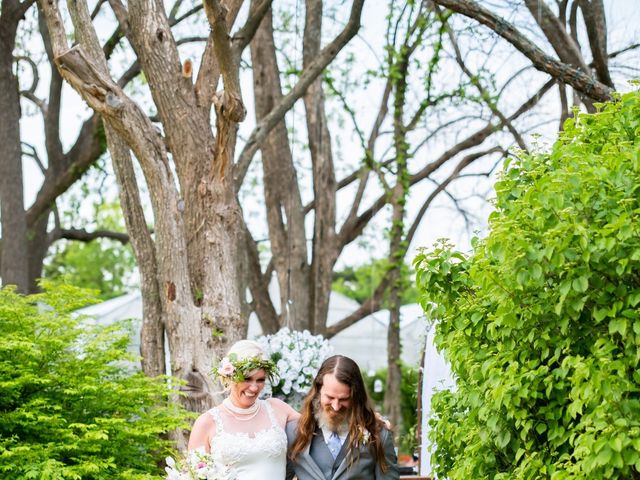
(189, 267)
(13, 268)
(27, 232)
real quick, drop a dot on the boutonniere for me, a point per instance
(363, 436)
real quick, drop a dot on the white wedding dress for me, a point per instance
(255, 448)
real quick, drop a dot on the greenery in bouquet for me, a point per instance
(298, 356)
(198, 465)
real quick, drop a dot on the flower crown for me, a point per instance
(233, 369)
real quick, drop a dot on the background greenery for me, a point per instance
(103, 264)
(541, 322)
(71, 405)
(359, 283)
(406, 431)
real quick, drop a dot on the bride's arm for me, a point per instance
(284, 409)
(200, 433)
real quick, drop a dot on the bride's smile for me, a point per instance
(244, 394)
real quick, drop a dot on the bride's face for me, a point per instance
(245, 394)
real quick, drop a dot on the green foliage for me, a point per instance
(408, 403)
(71, 406)
(102, 264)
(541, 324)
(359, 283)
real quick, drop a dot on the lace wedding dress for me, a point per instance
(256, 446)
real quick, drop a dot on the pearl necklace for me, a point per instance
(234, 411)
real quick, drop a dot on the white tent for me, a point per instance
(364, 341)
(436, 376)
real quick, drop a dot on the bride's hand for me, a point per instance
(384, 420)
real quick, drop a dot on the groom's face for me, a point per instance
(335, 399)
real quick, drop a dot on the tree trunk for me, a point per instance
(394, 372)
(285, 215)
(152, 331)
(324, 180)
(14, 263)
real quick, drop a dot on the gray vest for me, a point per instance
(320, 453)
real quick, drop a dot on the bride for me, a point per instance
(244, 432)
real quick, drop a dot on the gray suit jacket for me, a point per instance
(317, 463)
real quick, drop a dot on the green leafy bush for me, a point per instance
(541, 324)
(71, 406)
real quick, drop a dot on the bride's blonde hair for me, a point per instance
(247, 349)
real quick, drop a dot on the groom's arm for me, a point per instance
(392, 472)
(290, 430)
(290, 472)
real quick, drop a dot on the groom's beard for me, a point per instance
(328, 418)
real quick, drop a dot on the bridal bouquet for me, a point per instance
(298, 356)
(198, 465)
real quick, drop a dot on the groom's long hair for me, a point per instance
(362, 416)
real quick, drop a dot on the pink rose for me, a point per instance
(226, 368)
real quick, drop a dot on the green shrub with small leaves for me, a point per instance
(71, 405)
(541, 323)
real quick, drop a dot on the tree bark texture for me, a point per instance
(325, 253)
(153, 321)
(285, 215)
(14, 263)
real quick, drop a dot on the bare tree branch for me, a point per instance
(347, 235)
(558, 70)
(34, 74)
(226, 56)
(369, 306)
(243, 36)
(96, 8)
(81, 156)
(484, 94)
(259, 286)
(464, 163)
(33, 153)
(209, 73)
(564, 45)
(624, 50)
(83, 235)
(595, 21)
(308, 75)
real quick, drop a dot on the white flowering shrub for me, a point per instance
(298, 356)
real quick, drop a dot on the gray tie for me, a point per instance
(334, 444)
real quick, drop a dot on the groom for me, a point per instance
(339, 436)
